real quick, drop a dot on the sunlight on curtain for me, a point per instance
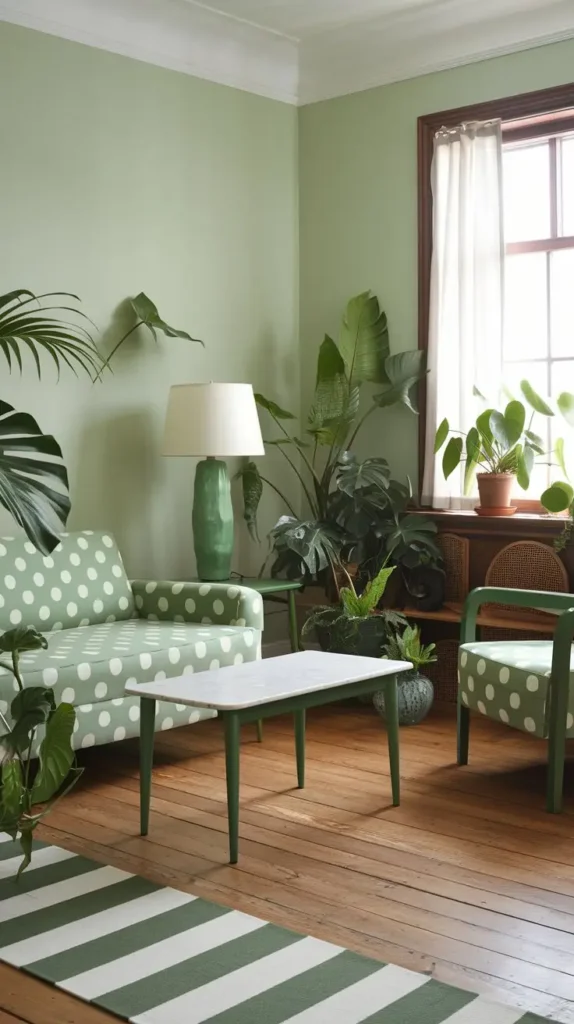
(466, 297)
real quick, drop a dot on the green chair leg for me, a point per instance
(147, 730)
(556, 758)
(392, 718)
(259, 725)
(462, 733)
(299, 719)
(293, 630)
(232, 736)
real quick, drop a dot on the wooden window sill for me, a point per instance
(521, 524)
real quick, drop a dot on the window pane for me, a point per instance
(563, 380)
(526, 192)
(561, 305)
(526, 307)
(568, 186)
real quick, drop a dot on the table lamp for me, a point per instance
(214, 421)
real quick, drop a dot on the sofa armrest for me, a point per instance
(217, 603)
(543, 599)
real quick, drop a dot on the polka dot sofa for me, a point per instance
(104, 631)
(527, 684)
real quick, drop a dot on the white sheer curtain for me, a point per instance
(466, 295)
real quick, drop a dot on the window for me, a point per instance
(538, 342)
(538, 200)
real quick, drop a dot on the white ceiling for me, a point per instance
(300, 51)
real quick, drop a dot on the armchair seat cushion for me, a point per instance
(92, 664)
(508, 681)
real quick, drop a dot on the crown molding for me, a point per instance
(393, 49)
(176, 34)
(186, 36)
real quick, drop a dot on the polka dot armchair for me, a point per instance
(527, 684)
(104, 631)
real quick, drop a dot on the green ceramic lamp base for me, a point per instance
(212, 520)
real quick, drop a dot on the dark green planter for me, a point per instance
(415, 695)
(368, 639)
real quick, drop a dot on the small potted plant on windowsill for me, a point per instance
(355, 625)
(499, 449)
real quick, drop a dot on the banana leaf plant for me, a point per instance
(34, 489)
(344, 497)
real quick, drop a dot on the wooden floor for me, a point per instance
(469, 880)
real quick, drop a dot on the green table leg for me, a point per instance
(293, 630)
(299, 718)
(147, 729)
(232, 733)
(392, 717)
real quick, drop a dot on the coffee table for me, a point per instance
(259, 689)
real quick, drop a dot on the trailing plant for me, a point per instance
(345, 498)
(343, 620)
(147, 315)
(29, 792)
(407, 646)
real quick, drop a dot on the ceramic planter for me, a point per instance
(415, 694)
(494, 490)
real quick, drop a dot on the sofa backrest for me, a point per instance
(81, 582)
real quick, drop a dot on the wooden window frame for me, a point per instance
(528, 115)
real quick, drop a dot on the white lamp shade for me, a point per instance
(212, 419)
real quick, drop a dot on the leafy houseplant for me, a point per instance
(147, 315)
(347, 500)
(502, 446)
(355, 625)
(24, 789)
(415, 691)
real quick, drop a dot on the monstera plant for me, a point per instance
(346, 498)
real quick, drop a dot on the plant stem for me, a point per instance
(280, 493)
(365, 415)
(115, 348)
(300, 478)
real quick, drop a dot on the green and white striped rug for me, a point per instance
(154, 955)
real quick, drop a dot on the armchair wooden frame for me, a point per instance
(559, 684)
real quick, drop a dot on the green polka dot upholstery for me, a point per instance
(103, 634)
(209, 603)
(81, 582)
(509, 681)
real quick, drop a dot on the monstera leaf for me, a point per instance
(364, 340)
(352, 475)
(312, 545)
(33, 479)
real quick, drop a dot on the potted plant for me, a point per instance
(415, 691)
(345, 498)
(355, 625)
(499, 449)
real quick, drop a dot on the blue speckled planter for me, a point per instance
(416, 695)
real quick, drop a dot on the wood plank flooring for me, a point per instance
(469, 880)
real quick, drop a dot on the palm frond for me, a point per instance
(26, 323)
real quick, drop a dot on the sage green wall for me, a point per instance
(119, 177)
(358, 206)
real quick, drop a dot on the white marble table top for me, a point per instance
(259, 682)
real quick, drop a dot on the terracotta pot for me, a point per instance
(494, 490)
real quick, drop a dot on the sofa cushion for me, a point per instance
(509, 681)
(90, 664)
(81, 582)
